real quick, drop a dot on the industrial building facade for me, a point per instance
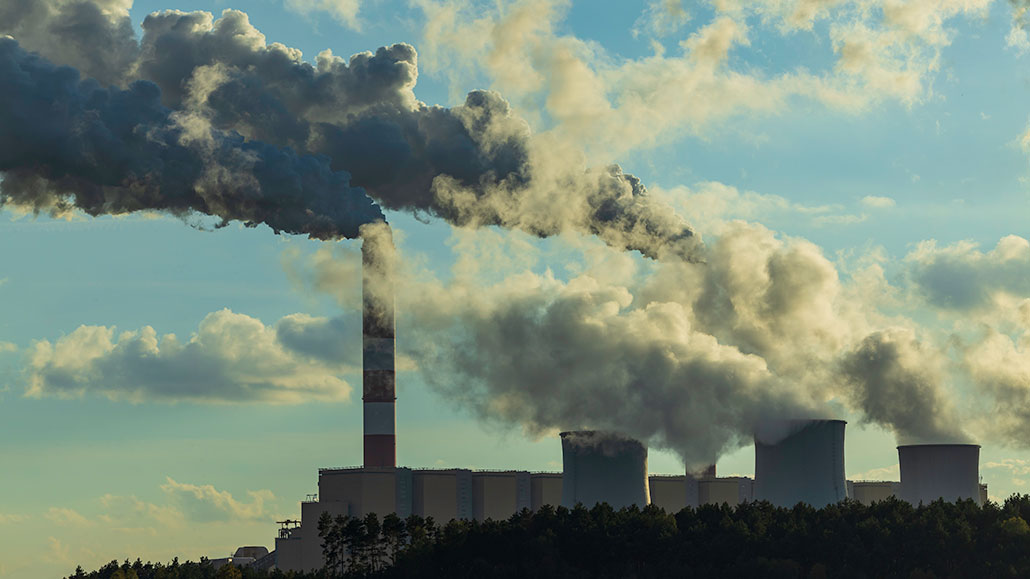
(446, 494)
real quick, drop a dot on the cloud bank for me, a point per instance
(231, 358)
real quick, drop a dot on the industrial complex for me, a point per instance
(795, 461)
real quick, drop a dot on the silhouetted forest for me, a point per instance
(888, 539)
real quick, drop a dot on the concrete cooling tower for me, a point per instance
(603, 467)
(939, 471)
(800, 461)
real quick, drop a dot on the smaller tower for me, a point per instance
(603, 467)
(939, 471)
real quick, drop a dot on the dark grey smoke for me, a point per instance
(69, 142)
(898, 383)
(567, 357)
(469, 165)
(94, 36)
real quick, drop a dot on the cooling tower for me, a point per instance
(378, 348)
(800, 461)
(939, 471)
(603, 467)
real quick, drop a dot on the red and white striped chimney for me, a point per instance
(379, 394)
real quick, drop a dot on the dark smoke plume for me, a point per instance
(69, 142)
(476, 164)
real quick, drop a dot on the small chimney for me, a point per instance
(379, 394)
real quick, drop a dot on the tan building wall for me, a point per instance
(435, 495)
(669, 492)
(339, 485)
(715, 491)
(545, 489)
(365, 490)
(493, 495)
(868, 492)
(378, 494)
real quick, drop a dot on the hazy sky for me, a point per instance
(854, 174)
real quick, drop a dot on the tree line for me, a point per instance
(887, 539)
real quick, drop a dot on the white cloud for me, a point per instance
(129, 512)
(711, 205)
(1017, 37)
(58, 550)
(892, 472)
(961, 277)
(12, 519)
(661, 18)
(343, 11)
(8, 347)
(878, 202)
(884, 50)
(1015, 466)
(231, 358)
(205, 503)
(844, 219)
(66, 517)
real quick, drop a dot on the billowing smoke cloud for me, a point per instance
(898, 383)
(1000, 366)
(476, 164)
(94, 36)
(65, 141)
(570, 356)
(689, 357)
(231, 358)
(960, 277)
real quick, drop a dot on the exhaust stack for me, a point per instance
(378, 391)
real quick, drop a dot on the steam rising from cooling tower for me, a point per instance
(800, 461)
(603, 467)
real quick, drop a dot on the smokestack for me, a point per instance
(379, 393)
(693, 486)
(939, 471)
(800, 461)
(603, 467)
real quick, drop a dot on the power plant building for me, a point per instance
(800, 461)
(732, 490)
(869, 492)
(544, 489)
(668, 492)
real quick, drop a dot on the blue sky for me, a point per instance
(779, 147)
